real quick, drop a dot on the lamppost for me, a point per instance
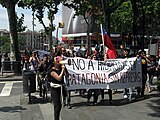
(33, 30)
(57, 36)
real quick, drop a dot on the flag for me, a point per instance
(110, 49)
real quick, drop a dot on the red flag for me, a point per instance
(111, 52)
(63, 39)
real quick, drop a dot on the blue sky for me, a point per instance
(28, 19)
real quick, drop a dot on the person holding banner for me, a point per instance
(56, 76)
(109, 90)
(144, 60)
(67, 99)
(94, 91)
(127, 91)
(110, 53)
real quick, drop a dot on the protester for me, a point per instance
(67, 99)
(158, 67)
(42, 71)
(144, 60)
(127, 91)
(56, 76)
(151, 68)
(94, 91)
(34, 61)
(109, 90)
(0, 61)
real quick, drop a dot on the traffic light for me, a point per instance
(61, 24)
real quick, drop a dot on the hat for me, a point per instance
(127, 49)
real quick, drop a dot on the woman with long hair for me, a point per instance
(56, 76)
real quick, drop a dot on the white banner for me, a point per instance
(114, 74)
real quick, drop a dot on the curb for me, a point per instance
(15, 78)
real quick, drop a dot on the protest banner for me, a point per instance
(114, 74)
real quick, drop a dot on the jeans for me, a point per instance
(56, 99)
(95, 95)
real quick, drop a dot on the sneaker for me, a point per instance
(125, 96)
(110, 102)
(94, 103)
(69, 107)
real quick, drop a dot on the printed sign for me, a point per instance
(93, 74)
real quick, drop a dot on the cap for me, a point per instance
(127, 49)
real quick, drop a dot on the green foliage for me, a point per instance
(4, 43)
(20, 27)
(21, 41)
(121, 18)
(39, 6)
(85, 7)
(152, 17)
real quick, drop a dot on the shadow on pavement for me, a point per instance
(39, 100)
(155, 106)
(12, 109)
(121, 102)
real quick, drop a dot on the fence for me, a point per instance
(11, 67)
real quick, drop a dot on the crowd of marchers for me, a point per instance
(49, 66)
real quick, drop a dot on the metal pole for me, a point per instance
(57, 36)
(33, 31)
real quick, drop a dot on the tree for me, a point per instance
(20, 27)
(121, 19)
(152, 17)
(5, 44)
(109, 6)
(10, 6)
(38, 7)
(21, 41)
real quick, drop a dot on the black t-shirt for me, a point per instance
(52, 79)
(144, 65)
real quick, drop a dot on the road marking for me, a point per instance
(6, 91)
(10, 81)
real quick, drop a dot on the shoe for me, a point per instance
(40, 95)
(102, 100)
(88, 102)
(125, 96)
(110, 102)
(69, 107)
(95, 103)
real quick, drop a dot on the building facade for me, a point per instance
(40, 41)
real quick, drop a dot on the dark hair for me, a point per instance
(52, 59)
(127, 49)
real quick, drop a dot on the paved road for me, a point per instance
(14, 106)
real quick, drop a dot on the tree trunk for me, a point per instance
(13, 29)
(51, 30)
(138, 23)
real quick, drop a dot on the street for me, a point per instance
(14, 106)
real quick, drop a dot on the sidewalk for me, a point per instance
(142, 109)
(10, 77)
